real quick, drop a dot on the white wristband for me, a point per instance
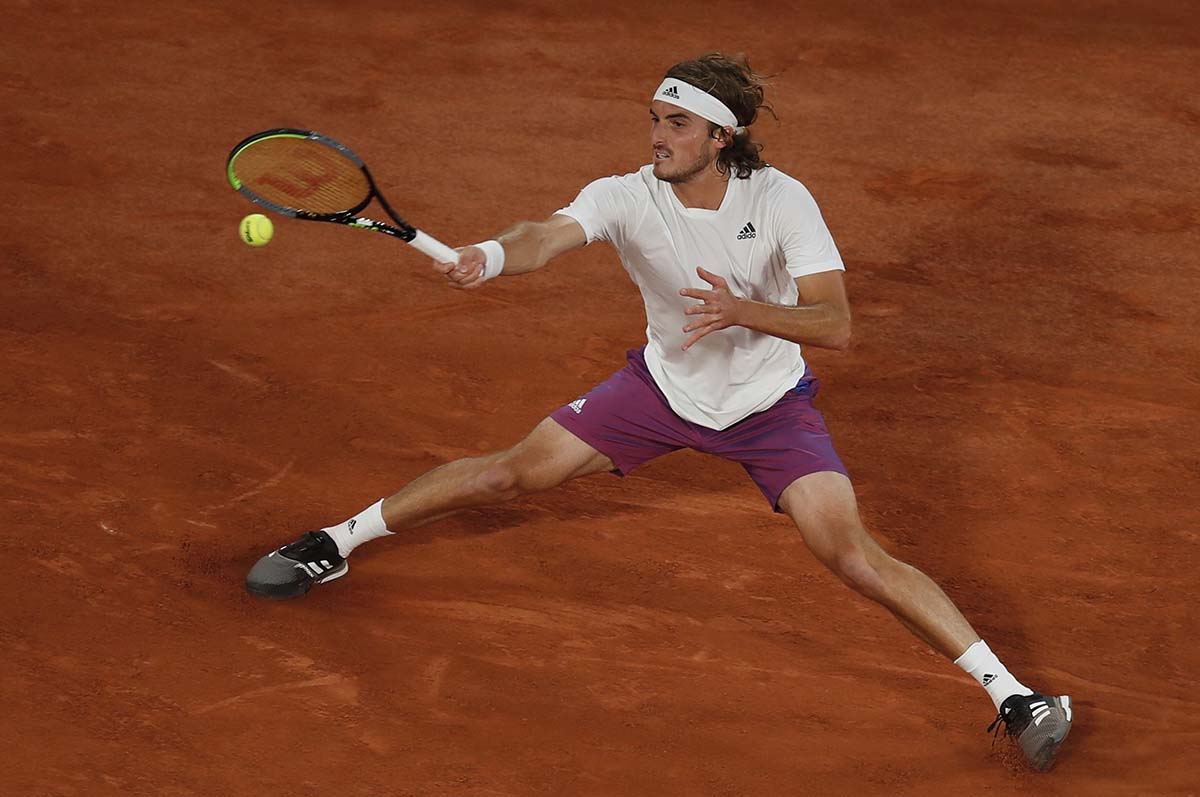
(493, 263)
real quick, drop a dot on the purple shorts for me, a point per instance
(627, 418)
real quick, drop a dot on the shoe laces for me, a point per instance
(303, 545)
(1000, 725)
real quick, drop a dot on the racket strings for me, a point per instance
(301, 174)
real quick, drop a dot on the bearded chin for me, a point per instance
(699, 165)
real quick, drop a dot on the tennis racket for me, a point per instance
(305, 175)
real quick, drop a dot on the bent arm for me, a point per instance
(821, 316)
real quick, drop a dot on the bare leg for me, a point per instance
(549, 456)
(826, 513)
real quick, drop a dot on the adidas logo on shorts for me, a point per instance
(672, 92)
(747, 232)
(577, 405)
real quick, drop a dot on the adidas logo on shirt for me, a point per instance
(577, 405)
(672, 92)
(747, 232)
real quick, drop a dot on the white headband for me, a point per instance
(701, 103)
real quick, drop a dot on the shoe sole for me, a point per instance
(293, 589)
(1040, 742)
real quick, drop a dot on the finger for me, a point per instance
(707, 321)
(443, 268)
(466, 281)
(697, 337)
(460, 280)
(468, 256)
(457, 280)
(710, 278)
(697, 293)
(698, 309)
(465, 265)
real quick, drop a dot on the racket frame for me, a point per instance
(349, 217)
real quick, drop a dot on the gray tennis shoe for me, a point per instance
(1039, 724)
(292, 570)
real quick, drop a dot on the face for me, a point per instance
(682, 145)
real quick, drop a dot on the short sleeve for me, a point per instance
(600, 209)
(808, 248)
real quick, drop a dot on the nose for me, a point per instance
(657, 139)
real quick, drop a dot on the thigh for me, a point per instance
(780, 445)
(550, 455)
(824, 509)
(626, 418)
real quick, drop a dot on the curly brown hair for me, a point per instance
(731, 80)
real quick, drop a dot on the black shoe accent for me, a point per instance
(292, 570)
(1039, 725)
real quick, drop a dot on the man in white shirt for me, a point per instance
(737, 270)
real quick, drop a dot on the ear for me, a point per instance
(722, 136)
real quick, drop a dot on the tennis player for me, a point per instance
(737, 271)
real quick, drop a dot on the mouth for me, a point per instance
(660, 155)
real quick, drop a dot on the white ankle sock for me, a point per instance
(365, 526)
(982, 665)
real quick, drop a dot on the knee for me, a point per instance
(859, 573)
(507, 477)
(500, 481)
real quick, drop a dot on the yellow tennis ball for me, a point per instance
(256, 230)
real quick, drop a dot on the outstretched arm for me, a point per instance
(820, 318)
(528, 245)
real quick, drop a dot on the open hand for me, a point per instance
(718, 308)
(467, 273)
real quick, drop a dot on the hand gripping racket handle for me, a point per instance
(434, 248)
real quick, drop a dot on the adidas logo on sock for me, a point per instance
(577, 405)
(351, 524)
(672, 92)
(988, 678)
(747, 232)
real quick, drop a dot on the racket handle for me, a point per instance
(434, 248)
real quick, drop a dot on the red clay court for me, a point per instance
(1013, 188)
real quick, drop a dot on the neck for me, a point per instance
(705, 191)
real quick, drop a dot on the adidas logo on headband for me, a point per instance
(699, 102)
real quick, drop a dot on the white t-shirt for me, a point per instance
(767, 232)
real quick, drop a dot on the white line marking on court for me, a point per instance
(238, 373)
(271, 482)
